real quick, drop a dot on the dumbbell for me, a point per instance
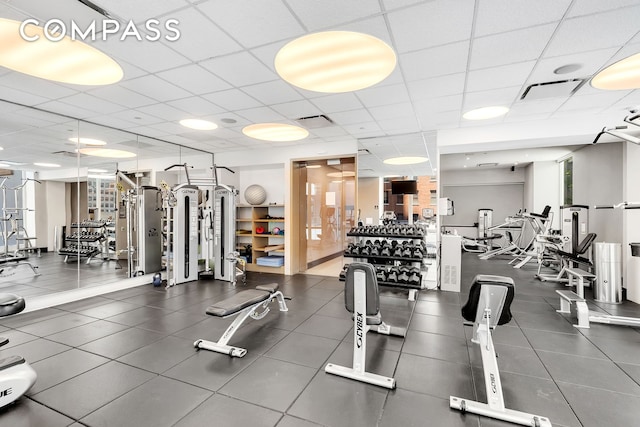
(415, 279)
(381, 275)
(392, 276)
(403, 277)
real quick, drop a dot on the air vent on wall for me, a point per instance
(315, 122)
(561, 88)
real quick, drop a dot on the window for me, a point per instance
(400, 199)
(386, 197)
(433, 200)
(567, 181)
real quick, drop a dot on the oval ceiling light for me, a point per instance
(198, 124)
(87, 141)
(335, 61)
(47, 165)
(275, 132)
(485, 113)
(106, 152)
(65, 61)
(623, 75)
(406, 160)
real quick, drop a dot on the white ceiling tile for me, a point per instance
(137, 117)
(139, 10)
(497, 16)
(586, 7)
(600, 100)
(163, 111)
(21, 97)
(98, 105)
(200, 38)
(628, 102)
(339, 102)
(435, 105)
(363, 129)
(590, 63)
(275, 92)
(196, 106)
(535, 107)
(383, 95)
(375, 26)
(392, 111)
(66, 109)
(321, 14)
(147, 55)
(112, 121)
(156, 88)
(593, 32)
(431, 24)
(351, 117)
(488, 98)
(498, 77)
(437, 86)
(237, 126)
(437, 61)
(122, 96)
(395, 4)
(509, 48)
(35, 85)
(232, 99)
(261, 115)
(253, 23)
(195, 79)
(327, 132)
(168, 128)
(297, 109)
(528, 117)
(240, 69)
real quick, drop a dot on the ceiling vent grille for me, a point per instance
(561, 88)
(363, 151)
(315, 122)
(487, 165)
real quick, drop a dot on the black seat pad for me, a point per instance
(238, 302)
(373, 298)
(11, 304)
(471, 307)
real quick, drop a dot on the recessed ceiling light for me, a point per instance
(275, 132)
(566, 69)
(198, 124)
(405, 160)
(87, 141)
(485, 113)
(623, 75)
(97, 170)
(341, 174)
(335, 61)
(47, 165)
(66, 61)
(106, 152)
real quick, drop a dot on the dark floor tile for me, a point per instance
(211, 328)
(160, 355)
(289, 320)
(289, 421)
(378, 361)
(107, 310)
(618, 350)
(337, 309)
(376, 341)
(563, 343)
(508, 334)
(434, 308)
(16, 337)
(172, 322)
(91, 390)
(27, 413)
(533, 395)
(127, 293)
(63, 366)
(632, 370)
(519, 360)
(408, 409)
(227, 411)
(121, 343)
(434, 377)
(328, 398)
(596, 407)
(440, 297)
(553, 322)
(303, 349)
(325, 326)
(57, 324)
(35, 350)
(602, 373)
(159, 402)
(86, 333)
(611, 331)
(270, 383)
(437, 325)
(442, 347)
(84, 304)
(138, 316)
(532, 307)
(208, 369)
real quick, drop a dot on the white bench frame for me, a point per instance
(585, 316)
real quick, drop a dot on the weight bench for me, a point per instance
(488, 306)
(16, 376)
(244, 304)
(585, 316)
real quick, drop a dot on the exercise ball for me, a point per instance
(255, 194)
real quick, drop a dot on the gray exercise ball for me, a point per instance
(255, 194)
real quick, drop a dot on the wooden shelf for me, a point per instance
(254, 216)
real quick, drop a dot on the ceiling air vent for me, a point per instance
(67, 154)
(561, 88)
(487, 165)
(315, 122)
(363, 151)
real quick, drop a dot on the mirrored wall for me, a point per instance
(63, 185)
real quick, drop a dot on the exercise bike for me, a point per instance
(16, 376)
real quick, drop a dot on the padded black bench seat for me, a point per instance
(241, 300)
(11, 304)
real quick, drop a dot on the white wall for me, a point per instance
(482, 176)
(546, 189)
(528, 187)
(631, 221)
(55, 212)
(369, 199)
(272, 180)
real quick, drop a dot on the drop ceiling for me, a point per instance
(453, 56)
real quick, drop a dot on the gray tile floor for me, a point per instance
(127, 359)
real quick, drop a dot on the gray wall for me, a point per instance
(369, 198)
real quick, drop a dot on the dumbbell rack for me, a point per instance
(87, 240)
(383, 260)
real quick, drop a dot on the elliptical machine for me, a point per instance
(16, 376)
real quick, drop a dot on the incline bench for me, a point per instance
(244, 304)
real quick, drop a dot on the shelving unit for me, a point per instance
(88, 240)
(249, 220)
